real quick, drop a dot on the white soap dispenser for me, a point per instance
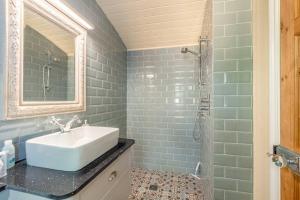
(3, 169)
(10, 153)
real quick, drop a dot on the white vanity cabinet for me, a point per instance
(113, 183)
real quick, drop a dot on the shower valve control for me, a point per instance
(205, 100)
(205, 106)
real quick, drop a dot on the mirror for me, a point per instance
(48, 59)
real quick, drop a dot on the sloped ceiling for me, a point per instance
(62, 38)
(146, 24)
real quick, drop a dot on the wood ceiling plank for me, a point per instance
(156, 23)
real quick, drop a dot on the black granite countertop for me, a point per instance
(56, 184)
(2, 187)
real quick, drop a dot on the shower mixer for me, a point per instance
(201, 130)
(204, 110)
(46, 70)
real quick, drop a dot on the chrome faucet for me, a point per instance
(70, 123)
(67, 127)
(56, 122)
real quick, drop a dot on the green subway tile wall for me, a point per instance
(33, 69)
(232, 99)
(162, 98)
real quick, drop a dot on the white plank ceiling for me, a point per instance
(146, 24)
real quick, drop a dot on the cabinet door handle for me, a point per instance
(112, 176)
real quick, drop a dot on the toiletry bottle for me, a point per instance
(3, 169)
(10, 153)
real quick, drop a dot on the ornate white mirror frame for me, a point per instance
(62, 15)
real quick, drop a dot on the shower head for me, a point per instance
(51, 58)
(186, 50)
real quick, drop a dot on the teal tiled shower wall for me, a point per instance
(162, 99)
(232, 76)
(105, 79)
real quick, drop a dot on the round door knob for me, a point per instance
(279, 160)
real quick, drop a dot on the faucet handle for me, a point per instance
(85, 123)
(77, 119)
(54, 120)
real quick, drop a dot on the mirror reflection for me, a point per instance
(48, 60)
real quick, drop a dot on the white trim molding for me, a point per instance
(15, 107)
(274, 88)
(69, 12)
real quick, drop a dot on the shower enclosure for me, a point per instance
(169, 107)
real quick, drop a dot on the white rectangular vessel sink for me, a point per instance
(73, 150)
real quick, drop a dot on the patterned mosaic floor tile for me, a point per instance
(155, 185)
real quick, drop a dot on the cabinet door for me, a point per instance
(108, 179)
(16, 195)
(121, 190)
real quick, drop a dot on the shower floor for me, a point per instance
(155, 185)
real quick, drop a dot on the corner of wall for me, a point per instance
(261, 137)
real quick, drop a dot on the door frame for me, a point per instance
(266, 97)
(274, 92)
